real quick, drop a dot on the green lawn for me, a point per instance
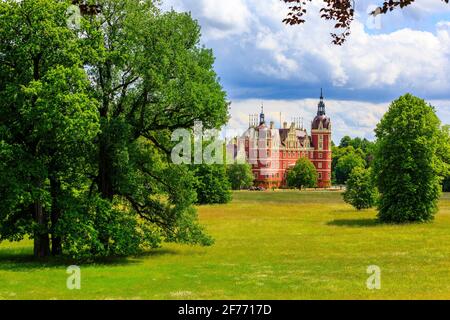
(269, 245)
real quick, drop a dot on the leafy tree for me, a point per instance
(86, 122)
(345, 142)
(212, 184)
(240, 176)
(340, 11)
(346, 164)
(303, 175)
(407, 163)
(361, 192)
(152, 77)
(47, 121)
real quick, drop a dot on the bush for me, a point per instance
(361, 192)
(303, 175)
(240, 176)
(212, 185)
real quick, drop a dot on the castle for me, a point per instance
(273, 152)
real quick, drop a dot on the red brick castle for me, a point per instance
(273, 152)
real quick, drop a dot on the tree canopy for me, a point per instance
(407, 164)
(86, 120)
(303, 175)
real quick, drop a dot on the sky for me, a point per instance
(262, 61)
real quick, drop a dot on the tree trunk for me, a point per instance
(105, 185)
(41, 238)
(55, 187)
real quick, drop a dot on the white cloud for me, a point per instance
(261, 56)
(407, 59)
(219, 19)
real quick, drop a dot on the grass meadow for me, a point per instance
(269, 245)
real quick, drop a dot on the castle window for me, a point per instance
(320, 165)
(320, 155)
(320, 142)
(320, 175)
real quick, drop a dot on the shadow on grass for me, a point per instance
(355, 223)
(20, 260)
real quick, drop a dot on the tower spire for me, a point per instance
(321, 109)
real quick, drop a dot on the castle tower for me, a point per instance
(321, 140)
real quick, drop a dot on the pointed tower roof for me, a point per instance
(321, 120)
(321, 108)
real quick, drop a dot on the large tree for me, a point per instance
(47, 121)
(407, 164)
(152, 77)
(141, 75)
(340, 11)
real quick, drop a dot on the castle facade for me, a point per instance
(272, 152)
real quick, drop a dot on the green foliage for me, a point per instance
(212, 185)
(240, 176)
(407, 164)
(358, 147)
(444, 155)
(86, 122)
(48, 120)
(303, 175)
(361, 192)
(97, 229)
(346, 164)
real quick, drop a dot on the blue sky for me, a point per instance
(261, 60)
